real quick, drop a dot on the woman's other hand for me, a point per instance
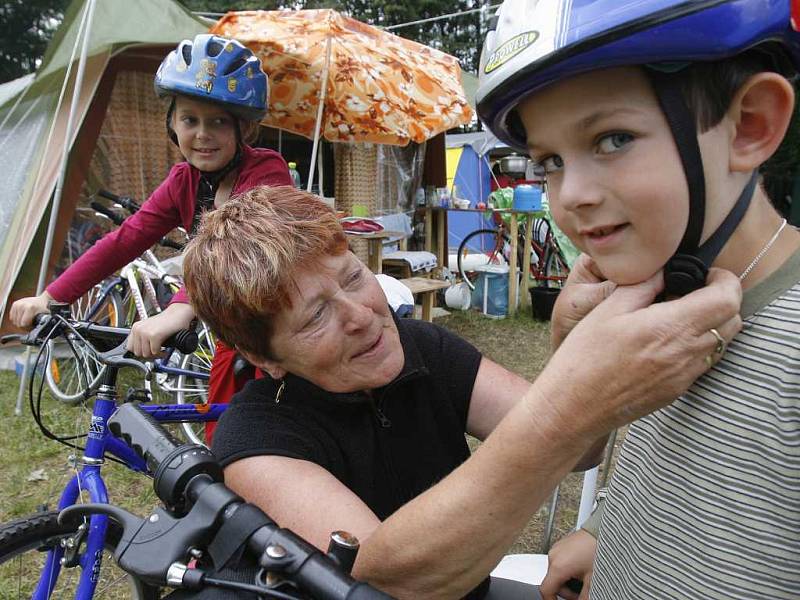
(147, 336)
(25, 309)
(629, 357)
(570, 558)
(586, 287)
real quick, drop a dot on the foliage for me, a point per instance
(26, 27)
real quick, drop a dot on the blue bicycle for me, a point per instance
(189, 542)
(41, 558)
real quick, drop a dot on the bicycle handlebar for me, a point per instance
(131, 206)
(202, 514)
(115, 218)
(106, 340)
(125, 202)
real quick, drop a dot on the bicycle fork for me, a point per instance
(90, 534)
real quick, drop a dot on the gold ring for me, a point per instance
(709, 361)
(721, 343)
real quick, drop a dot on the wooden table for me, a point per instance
(436, 242)
(426, 288)
(375, 246)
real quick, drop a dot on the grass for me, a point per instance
(34, 469)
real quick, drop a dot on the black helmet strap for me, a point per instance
(208, 185)
(686, 271)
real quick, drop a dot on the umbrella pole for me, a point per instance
(320, 108)
(51, 226)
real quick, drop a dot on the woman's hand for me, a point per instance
(629, 357)
(570, 558)
(25, 309)
(148, 336)
(586, 287)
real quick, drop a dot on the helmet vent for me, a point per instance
(186, 52)
(214, 49)
(234, 66)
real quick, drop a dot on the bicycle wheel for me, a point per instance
(555, 269)
(483, 246)
(191, 388)
(24, 544)
(69, 374)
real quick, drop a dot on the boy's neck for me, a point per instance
(758, 226)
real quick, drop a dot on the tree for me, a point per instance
(26, 27)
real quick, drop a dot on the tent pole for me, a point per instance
(51, 226)
(320, 108)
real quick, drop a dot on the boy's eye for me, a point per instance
(188, 120)
(613, 142)
(552, 163)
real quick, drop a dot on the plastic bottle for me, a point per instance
(294, 174)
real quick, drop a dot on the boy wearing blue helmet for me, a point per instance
(651, 119)
(218, 94)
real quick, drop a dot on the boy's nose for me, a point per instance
(576, 189)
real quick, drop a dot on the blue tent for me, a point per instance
(473, 182)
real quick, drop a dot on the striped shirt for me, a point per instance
(705, 498)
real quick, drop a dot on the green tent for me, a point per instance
(117, 131)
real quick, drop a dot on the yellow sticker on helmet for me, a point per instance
(231, 84)
(509, 50)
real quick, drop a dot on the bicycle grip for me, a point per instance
(143, 434)
(168, 243)
(108, 195)
(363, 591)
(185, 341)
(105, 211)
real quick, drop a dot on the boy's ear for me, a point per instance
(761, 111)
(273, 368)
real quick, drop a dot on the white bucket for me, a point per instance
(458, 296)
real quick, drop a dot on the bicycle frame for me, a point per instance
(99, 443)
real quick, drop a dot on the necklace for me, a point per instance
(761, 254)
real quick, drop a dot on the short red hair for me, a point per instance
(239, 267)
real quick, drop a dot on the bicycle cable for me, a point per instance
(36, 408)
(247, 587)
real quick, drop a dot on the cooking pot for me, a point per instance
(514, 165)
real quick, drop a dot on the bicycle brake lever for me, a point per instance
(117, 357)
(127, 520)
(147, 547)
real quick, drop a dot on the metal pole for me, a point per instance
(320, 108)
(51, 226)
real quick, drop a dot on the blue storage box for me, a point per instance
(490, 295)
(527, 197)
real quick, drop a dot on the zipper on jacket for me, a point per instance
(382, 418)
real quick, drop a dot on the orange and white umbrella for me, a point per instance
(374, 86)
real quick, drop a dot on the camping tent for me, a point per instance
(117, 138)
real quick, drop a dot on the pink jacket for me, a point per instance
(169, 206)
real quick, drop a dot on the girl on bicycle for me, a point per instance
(218, 93)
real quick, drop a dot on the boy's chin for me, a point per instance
(626, 274)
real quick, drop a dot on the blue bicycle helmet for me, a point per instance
(536, 44)
(217, 69)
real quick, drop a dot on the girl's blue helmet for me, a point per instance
(217, 69)
(536, 43)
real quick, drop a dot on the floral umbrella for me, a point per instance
(375, 86)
